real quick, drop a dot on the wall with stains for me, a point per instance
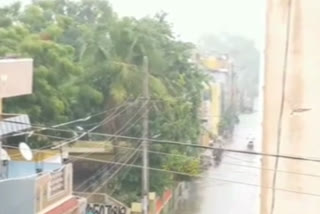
(292, 108)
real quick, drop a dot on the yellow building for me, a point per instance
(217, 94)
(211, 112)
(215, 107)
(215, 64)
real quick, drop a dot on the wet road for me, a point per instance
(224, 189)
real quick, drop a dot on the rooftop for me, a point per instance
(16, 169)
(216, 64)
(12, 123)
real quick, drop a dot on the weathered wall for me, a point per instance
(16, 196)
(54, 187)
(16, 76)
(299, 135)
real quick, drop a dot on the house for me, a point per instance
(34, 185)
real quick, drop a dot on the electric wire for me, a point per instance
(199, 176)
(122, 164)
(111, 192)
(125, 126)
(110, 117)
(92, 129)
(88, 117)
(196, 176)
(223, 162)
(194, 145)
(120, 130)
(283, 95)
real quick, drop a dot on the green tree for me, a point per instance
(87, 59)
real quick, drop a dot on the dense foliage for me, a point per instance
(87, 59)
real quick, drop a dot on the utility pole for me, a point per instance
(145, 135)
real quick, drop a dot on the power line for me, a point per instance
(101, 123)
(114, 109)
(100, 174)
(192, 175)
(114, 189)
(283, 95)
(70, 122)
(117, 171)
(136, 150)
(199, 176)
(226, 163)
(124, 126)
(120, 130)
(110, 140)
(92, 129)
(285, 156)
(70, 140)
(207, 147)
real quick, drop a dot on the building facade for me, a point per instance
(34, 186)
(291, 108)
(24, 191)
(218, 95)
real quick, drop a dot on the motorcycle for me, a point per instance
(217, 157)
(206, 160)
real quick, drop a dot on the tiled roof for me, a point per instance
(68, 205)
(14, 124)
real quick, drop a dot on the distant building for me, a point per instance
(221, 70)
(218, 94)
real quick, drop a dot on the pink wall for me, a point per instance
(15, 77)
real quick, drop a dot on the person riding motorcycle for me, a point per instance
(217, 153)
(250, 143)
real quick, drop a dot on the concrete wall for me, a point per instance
(16, 77)
(53, 188)
(299, 134)
(17, 196)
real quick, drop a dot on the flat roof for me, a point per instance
(10, 60)
(18, 169)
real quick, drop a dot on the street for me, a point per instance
(224, 189)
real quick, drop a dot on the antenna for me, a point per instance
(4, 161)
(25, 151)
(39, 163)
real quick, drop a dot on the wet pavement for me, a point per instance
(227, 189)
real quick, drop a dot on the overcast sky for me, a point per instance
(193, 18)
